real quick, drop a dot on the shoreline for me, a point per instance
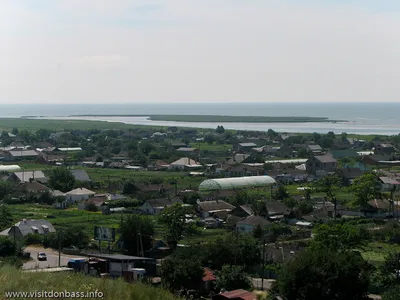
(218, 118)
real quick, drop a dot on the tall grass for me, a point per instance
(13, 280)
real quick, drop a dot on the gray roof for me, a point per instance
(80, 175)
(247, 145)
(325, 159)
(254, 220)
(315, 147)
(23, 153)
(119, 257)
(26, 176)
(29, 226)
(388, 180)
(215, 205)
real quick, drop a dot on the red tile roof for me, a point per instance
(239, 294)
(208, 275)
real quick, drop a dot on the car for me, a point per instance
(41, 256)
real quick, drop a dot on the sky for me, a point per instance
(104, 51)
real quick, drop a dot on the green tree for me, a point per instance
(325, 275)
(281, 193)
(366, 188)
(232, 278)
(339, 237)
(135, 232)
(258, 232)
(61, 178)
(290, 202)
(304, 208)
(220, 129)
(15, 131)
(7, 246)
(259, 208)
(71, 236)
(5, 217)
(239, 249)
(174, 217)
(181, 274)
(5, 189)
(329, 185)
(392, 293)
(209, 139)
(391, 264)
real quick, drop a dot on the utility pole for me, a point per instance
(263, 265)
(59, 249)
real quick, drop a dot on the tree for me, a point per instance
(61, 178)
(209, 139)
(241, 250)
(233, 277)
(326, 275)
(178, 274)
(329, 185)
(281, 193)
(5, 189)
(174, 217)
(259, 208)
(272, 134)
(366, 188)
(72, 236)
(304, 208)
(290, 202)
(15, 131)
(220, 129)
(129, 188)
(339, 237)
(7, 246)
(136, 233)
(392, 293)
(5, 217)
(392, 264)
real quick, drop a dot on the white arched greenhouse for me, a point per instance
(211, 185)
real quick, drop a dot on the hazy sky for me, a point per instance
(100, 51)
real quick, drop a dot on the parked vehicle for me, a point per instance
(41, 256)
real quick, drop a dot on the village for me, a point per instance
(133, 203)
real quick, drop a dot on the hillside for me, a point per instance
(13, 280)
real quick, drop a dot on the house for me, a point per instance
(377, 208)
(319, 215)
(154, 206)
(208, 280)
(238, 158)
(349, 174)
(184, 163)
(31, 187)
(314, 149)
(248, 224)
(98, 202)
(374, 159)
(14, 155)
(246, 146)
(208, 208)
(235, 295)
(321, 163)
(385, 149)
(80, 175)
(159, 165)
(284, 151)
(25, 227)
(389, 184)
(27, 176)
(243, 170)
(187, 150)
(49, 159)
(78, 194)
(277, 210)
(242, 211)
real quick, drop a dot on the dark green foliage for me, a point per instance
(178, 274)
(5, 217)
(366, 188)
(129, 188)
(33, 239)
(220, 129)
(5, 189)
(61, 178)
(303, 208)
(339, 237)
(281, 193)
(392, 294)
(72, 236)
(174, 217)
(14, 261)
(232, 277)
(131, 228)
(325, 275)
(259, 208)
(7, 246)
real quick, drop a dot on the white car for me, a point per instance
(41, 256)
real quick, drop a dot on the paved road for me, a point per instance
(52, 258)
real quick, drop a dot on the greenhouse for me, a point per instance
(236, 183)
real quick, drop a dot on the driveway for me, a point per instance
(52, 258)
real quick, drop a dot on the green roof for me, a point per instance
(236, 183)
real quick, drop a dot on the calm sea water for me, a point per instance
(366, 118)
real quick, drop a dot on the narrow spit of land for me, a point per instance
(224, 119)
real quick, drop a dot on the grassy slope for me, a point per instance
(16, 281)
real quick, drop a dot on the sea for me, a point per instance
(359, 118)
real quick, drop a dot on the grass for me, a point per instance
(211, 147)
(13, 280)
(376, 252)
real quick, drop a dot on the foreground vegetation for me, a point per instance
(13, 280)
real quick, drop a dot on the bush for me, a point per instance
(33, 239)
